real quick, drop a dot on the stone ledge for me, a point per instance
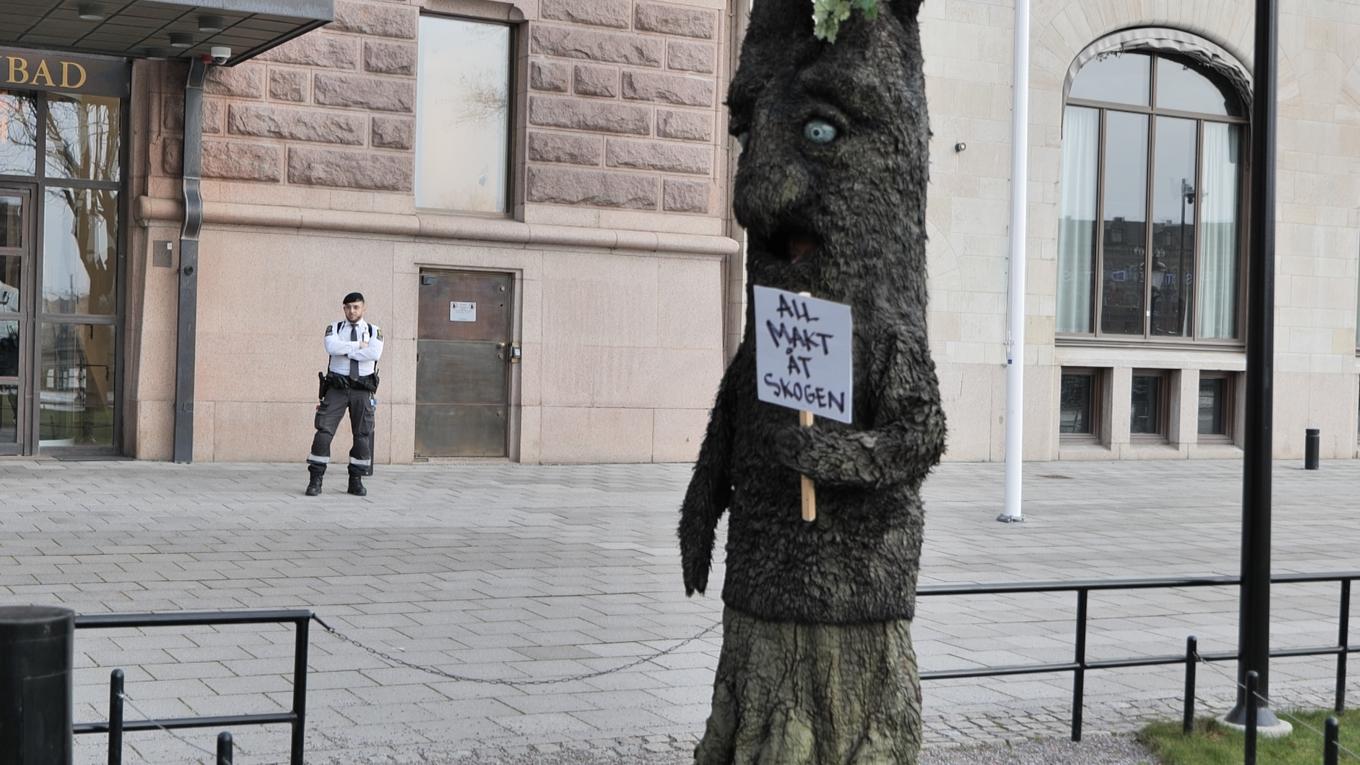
(436, 226)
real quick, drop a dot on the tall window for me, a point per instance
(1150, 205)
(463, 115)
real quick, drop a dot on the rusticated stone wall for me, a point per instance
(621, 105)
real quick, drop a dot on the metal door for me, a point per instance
(16, 317)
(463, 357)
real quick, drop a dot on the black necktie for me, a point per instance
(354, 363)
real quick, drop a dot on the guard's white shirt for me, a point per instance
(342, 349)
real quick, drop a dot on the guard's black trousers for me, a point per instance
(328, 415)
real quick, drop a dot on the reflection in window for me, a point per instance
(1125, 242)
(9, 412)
(1213, 406)
(18, 135)
(75, 384)
(1181, 87)
(462, 115)
(9, 349)
(1120, 78)
(1147, 406)
(80, 251)
(11, 220)
(82, 137)
(11, 270)
(1173, 226)
(1078, 404)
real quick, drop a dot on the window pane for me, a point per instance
(18, 135)
(9, 349)
(82, 137)
(1182, 88)
(76, 385)
(80, 253)
(1077, 225)
(11, 269)
(1078, 392)
(1219, 252)
(1212, 397)
(462, 115)
(11, 220)
(1173, 226)
(1145, 415)
(1120, 78)
(1125, 221)
(9, 411)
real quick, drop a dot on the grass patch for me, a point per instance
(1213, 744)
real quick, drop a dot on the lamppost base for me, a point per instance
(1267, 724)
(1004, 518)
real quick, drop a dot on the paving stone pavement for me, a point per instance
(512, 572)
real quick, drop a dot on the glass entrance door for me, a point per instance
(61, 178)
(16, 314)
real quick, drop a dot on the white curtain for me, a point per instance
(1077, 218)
(1218, 231)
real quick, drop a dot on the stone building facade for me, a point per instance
(614, 237)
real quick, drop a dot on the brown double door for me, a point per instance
(463, 358)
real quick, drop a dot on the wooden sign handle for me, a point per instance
(809, 490)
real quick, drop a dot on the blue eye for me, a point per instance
(819, 131)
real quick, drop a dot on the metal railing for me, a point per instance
(116, 725)
(1080, 664)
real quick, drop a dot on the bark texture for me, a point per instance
(802, 694)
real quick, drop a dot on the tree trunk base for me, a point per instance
(813, 694)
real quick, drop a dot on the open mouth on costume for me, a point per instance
(792, 244)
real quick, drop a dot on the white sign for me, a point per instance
(462, 311)
(803, 353)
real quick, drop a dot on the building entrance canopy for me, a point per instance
(160, 28)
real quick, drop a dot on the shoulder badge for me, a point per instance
(377, 332)
(330, 329)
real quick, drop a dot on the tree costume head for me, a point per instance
(831, 180)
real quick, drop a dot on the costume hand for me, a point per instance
(791, 447)
(696, 547)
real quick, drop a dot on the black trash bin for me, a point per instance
(36, 651)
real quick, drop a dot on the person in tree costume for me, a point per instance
(817, 663)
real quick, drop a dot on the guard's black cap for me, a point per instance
(354, 297)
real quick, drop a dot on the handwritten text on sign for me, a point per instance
(803, 358)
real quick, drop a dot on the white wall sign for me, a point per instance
(462, 311)
(803, 353)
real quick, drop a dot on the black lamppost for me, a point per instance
(1253, 641)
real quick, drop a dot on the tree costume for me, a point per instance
(817, 664)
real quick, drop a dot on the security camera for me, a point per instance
(221, 54)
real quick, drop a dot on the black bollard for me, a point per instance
(36, 652)
(224, 748)
(1249, 743)
(1331, 742)
(1312, 445)
(1191, 659)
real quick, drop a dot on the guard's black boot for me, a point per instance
(314, 485)
(356, 486)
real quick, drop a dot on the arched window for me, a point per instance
(1149, 244)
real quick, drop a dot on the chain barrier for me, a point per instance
(437, 672)
(1278, 712)
(212, 756)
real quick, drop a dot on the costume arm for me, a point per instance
(710, 491)
(905, 442)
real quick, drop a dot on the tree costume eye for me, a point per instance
(742, 138)
(819, 132)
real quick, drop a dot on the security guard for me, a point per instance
(351, 382)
